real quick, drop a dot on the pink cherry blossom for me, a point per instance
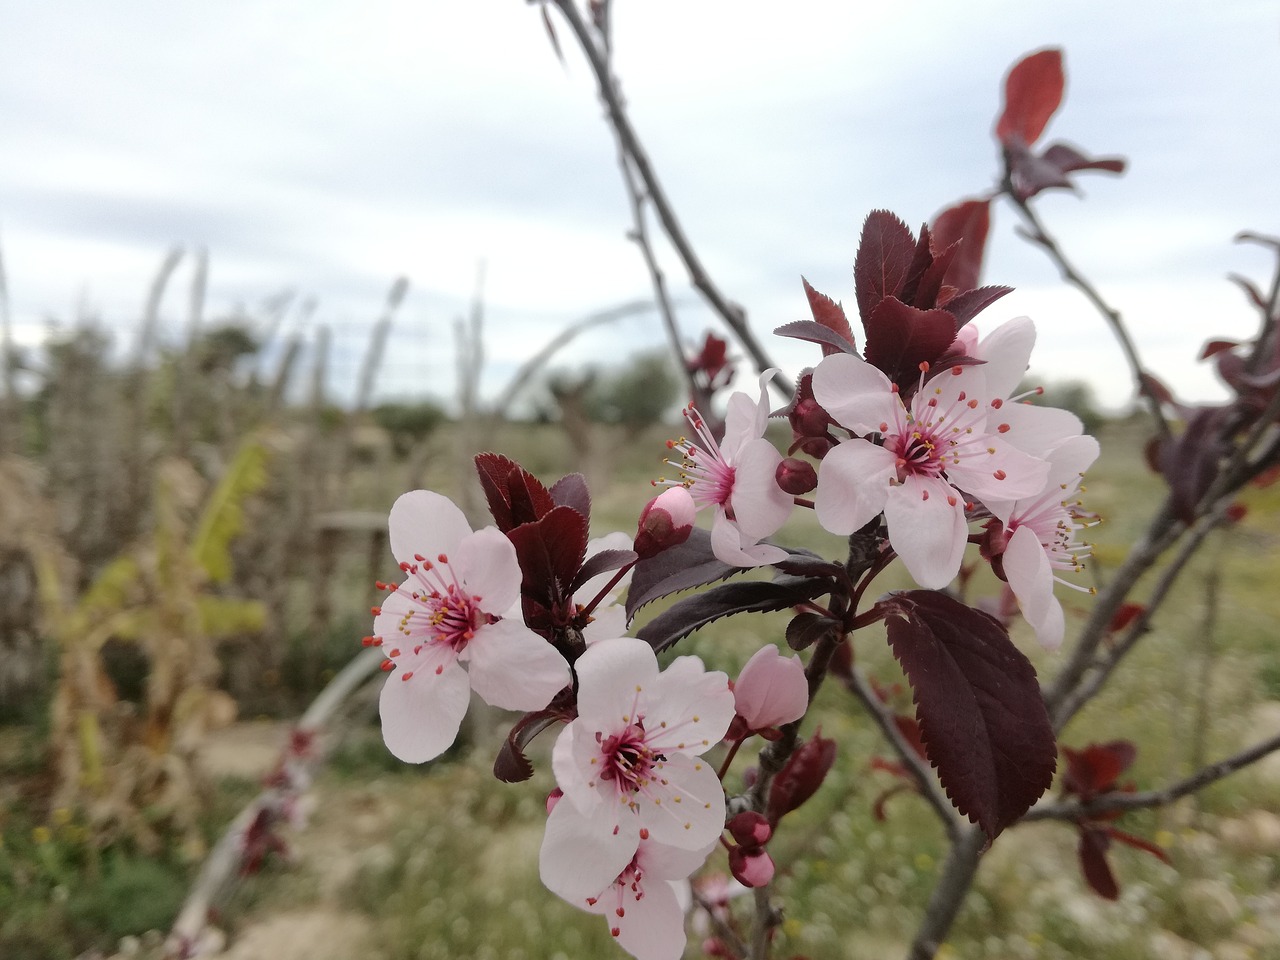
(1039, 534)
(448, 613)
(771, 690)
(630, 764)
(932, 456)
(736, 477)
(645, 902)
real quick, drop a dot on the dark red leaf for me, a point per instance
(877, 808)
(1125, 614)
(801, 776)
(831, 315)
(968, 304)
(830, 341)
(900, 338)
(1096, 768)
(753, 596)
(515, 495)
(690, 564)
(1093, 863)
(921, 259)
(1190, 461)
(1068, 159)
(981, 714)
(806, 629)
(1139, 843)
(571, 491)
(909, 727)
(966, 223)
(1212, 347)
(606, 561)
(511, 765)
(1032, 92)
(885, 253)
(550, 552)
(929, 288)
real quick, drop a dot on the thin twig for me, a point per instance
(732, 314)
(1089, 684)
(1121, 802)
(725, 933)
(926, 782)
(1037, 234)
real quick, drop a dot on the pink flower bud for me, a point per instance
(753, 869)
(666, 521)
(750, 829)
(771, 690)
(796, 477)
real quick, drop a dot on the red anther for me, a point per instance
(620, 912)
(924, 366)
(924, 494)
(997, 403)
(366, 641)
(394, 653)
(933, 401)
(951, 500)
(376, 611)
(1039, 391)
(404, 566)
(956, 371)
(614, 931)
(893, 388)
(442, 558)
(884, 427)
(973, 404)
(1003, 428)
(968, 504)
(999, 474)
(388, 665)
(644, 833)
(419, 557)
(439, 669)
(671, 444)
(406, 675)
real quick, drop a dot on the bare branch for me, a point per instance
(953, 886)
(926, 782)
(1037, 234)
(1121, 802)
(732, 314)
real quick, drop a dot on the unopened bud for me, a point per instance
(771, 690)
(809, 419)
(800, 778)
(816, 447)
(750, 829)
(752, 869)
(666, 521)
(796, 477)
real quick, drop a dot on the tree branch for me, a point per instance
(925, 781)
(732, 314)
(1037, 234)
(1121, 802)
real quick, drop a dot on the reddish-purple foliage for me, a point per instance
(982, 719)
(801, 776)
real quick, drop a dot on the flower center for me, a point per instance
(627, 760)
(703, 469)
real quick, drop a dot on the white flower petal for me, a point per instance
(1007, 352)
(853, 484)
(927, 528)
(684, 804)
(731, 545)
(652, 926)
(421, 715)
(514, 668)
(425, 523)
(486, 564)
(760, 506)
(1026, 566)
(581, 855)
(854, 393)
(612, 675)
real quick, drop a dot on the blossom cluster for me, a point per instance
(913, 450)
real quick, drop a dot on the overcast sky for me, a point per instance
(329, 147)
